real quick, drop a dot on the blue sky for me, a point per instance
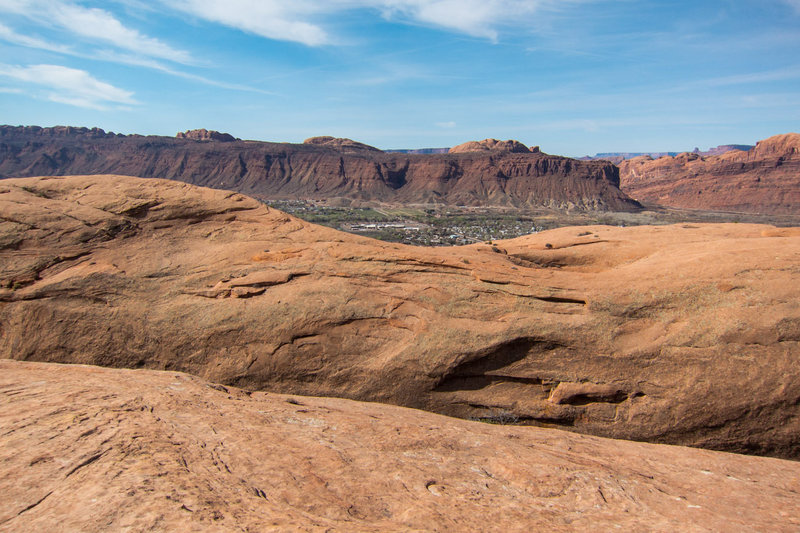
(573, 76)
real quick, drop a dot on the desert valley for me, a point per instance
(351, 266)
(180, 355)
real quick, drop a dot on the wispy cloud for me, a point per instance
(136, 50)
(152, 64)
(70, 86)
(273, 19)
(9, 35)
(478, 18)
(302, 21)
(793, 3)
(395, 73)
(100, 25)
(111, 56)
(446, 125)
(782, 74)
(92, 24)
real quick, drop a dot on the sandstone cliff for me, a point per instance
(320, 171)
(90, 449)
(205, 135)
(679, 334)
(493, 145)
(340, 144)
(765, 179)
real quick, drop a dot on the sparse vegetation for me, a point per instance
(499, 417)
(33, 191)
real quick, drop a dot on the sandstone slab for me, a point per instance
(93, 449)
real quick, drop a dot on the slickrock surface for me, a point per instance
(92, 449)
(765, 179)
(686, 334)
(324, 169)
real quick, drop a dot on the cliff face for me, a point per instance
(765, 179)
(319, 171)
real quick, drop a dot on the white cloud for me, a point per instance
(9, 35)
(102, 26)
(446, 125)
(13, 6)
(479, 18)
(793, 3)
(93, 24)
(274, 19)
(299, 20)
(69, 86)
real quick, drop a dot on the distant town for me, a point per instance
(437, 226)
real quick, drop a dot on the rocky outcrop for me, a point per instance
(647, 333)
(723, 149)
(786, 145)
(91, 449)
(765, 179)
(323, 171)
(340, 144)
(420, 150)
(205, 135)
(13, 132)
(493, 145)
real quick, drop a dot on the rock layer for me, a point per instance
(91, 449)
(676, 334)
(765, 179)
(332, 169)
